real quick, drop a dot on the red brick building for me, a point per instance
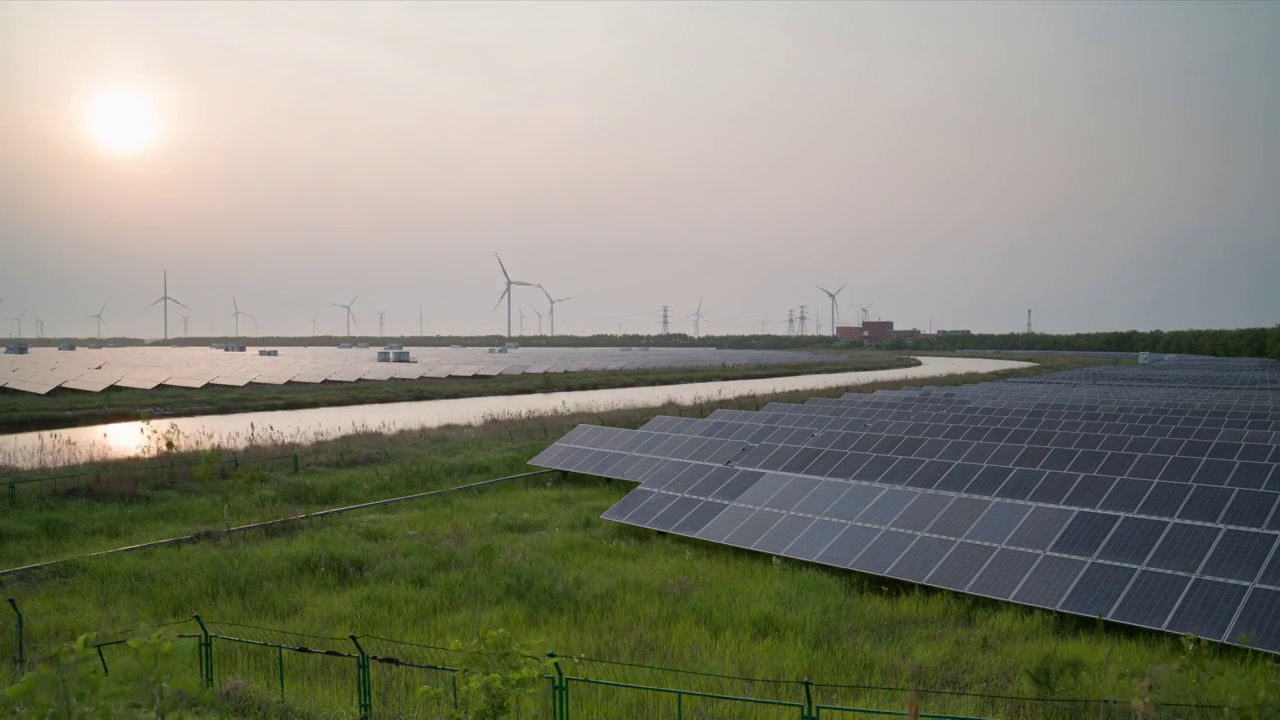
(878, 330)
(851, 332)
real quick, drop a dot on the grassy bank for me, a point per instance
(20, 412)
(533, 558)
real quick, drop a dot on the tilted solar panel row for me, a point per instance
(1151, 506)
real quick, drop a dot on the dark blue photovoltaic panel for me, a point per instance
(1239, 555)
(1003, 573)
(1049, 581)
(1259, 622)
(1133, 540)
(1098, 590)
(1040, 528)
(1150, 599)
(960, 567)
(883, 551)
(815, 539)
(1183, 547)
(848, 545)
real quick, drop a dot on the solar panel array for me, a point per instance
(95, 370)
(1146, 495)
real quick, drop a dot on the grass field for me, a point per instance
(69, 408)
(533, 558)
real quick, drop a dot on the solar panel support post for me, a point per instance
(205, 653)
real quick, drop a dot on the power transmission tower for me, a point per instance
(804, 326)
(791, 322)
(1028, 322)
(666, 319)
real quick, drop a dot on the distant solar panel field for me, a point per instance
(1144, 495)
(94, 370)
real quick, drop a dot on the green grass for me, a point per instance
(21, 412)
(534, 558)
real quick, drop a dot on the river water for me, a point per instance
(129, 439)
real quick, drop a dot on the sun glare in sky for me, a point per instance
(123, 120)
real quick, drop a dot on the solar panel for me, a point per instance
(1143, 495)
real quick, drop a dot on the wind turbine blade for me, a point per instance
(523, 284)
(842, 287)
(824, 290)
(563, 299)
(234, 304)
(175, 302)
(157, 301)
(501, 297)
(699, 310)
(353, 300)
(104, 307)
(504, 267)
(544, 292)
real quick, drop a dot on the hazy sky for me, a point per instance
(1111, 166)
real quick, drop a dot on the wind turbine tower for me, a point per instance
(350, 315)
(538, 312)
(420, 333)
(313, 323)
(520, 312)
(506, 292)
(39, 326)
(98, 317)
(804, 326)
(835, 307)
(166, 300)
(381, 315)
(184, 326)
(697, 317)
(1028, 322)
(764, 325)
(866, 313)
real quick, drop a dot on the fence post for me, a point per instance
(13, 493)
(205, 653)
(808, 713)
(296, 465)
(364, 685)
(559, 699)
(20, 658)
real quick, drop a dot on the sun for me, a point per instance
(123, 120)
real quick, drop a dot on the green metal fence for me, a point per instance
(375, 678)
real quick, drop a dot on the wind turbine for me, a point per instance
(697, 317)
(552, 313)
(520, 312)
(866, 313)
(184, 326)
(350, 315)
(381, 314)
(237, 313)
(19, 321)
(166, 300)
(506, 291)
(39, 326)
(98, 317)
(313, 323)
(764, 325)
(538, 312)
(835, 308)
